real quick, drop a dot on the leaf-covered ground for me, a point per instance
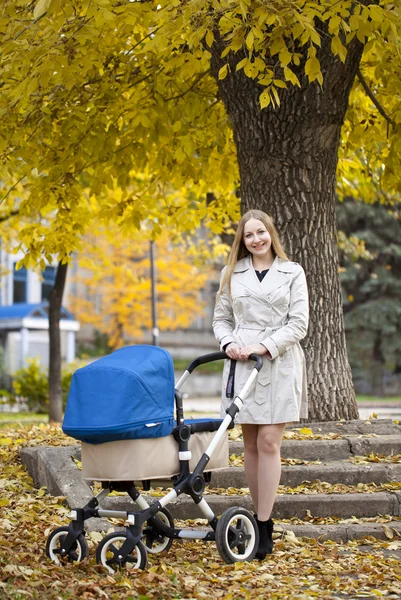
(297, 569)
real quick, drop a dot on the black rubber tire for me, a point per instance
(237, 535)
(107, 552)
(162, 544)
(78, 552)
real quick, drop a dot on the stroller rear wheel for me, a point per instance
(108, 553)
(77, 552)
(237, 535)
(155, 541)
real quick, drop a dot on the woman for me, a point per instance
(262, 308)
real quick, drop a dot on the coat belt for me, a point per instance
(256, 328)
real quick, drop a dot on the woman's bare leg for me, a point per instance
(250, 436)
(269, 467)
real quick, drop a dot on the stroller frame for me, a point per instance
(235, 532)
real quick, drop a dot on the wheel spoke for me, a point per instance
(241, 548)
(231, 534)
(111, 562)
(131, 559)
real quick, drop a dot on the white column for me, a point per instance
(24, 345)
(70, 352)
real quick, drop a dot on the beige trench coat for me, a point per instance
(273, 312)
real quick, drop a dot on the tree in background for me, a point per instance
(372, 289)
(172, 100)
(114, 294)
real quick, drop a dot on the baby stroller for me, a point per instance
(121, 408)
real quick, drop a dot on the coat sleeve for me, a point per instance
(223, 317)
(298, 316)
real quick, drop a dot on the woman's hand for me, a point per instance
(259, 349)
(234, 351)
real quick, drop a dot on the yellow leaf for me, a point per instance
(306, 431)
(264, 99)
(241, 64)
(209, 38)
(223, 72)
(41, 7)
(5, 441)
(4, 502)
(250, 38)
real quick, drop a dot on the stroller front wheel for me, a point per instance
(237, 535)
(54, 547)
(155, 541)
(108, 553)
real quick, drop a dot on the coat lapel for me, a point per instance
(276, 277)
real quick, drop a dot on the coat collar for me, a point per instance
(275, 278)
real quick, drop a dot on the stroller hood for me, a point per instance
(126, 395)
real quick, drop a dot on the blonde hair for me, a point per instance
(239, 250)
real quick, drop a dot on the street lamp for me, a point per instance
(155, 330)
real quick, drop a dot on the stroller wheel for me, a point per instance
(237, 535)
(108, 553)
(77, 552)
(155, 541)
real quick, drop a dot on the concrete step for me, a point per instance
(334, 472)
(287, 506)
(55, 469)
(334, 450)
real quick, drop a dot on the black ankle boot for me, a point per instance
(265, 538)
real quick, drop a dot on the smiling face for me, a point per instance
(257, 239)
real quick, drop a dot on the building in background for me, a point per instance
(24, 322)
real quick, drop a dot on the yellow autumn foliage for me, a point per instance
(114, 284)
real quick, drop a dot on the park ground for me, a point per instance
(299, 568)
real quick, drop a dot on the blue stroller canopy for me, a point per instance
(126, 395)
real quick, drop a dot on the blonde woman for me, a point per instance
(262, 308)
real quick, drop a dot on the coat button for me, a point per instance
(247, 305)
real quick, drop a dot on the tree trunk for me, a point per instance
(287, 160)
(377, 367)
(55, 303)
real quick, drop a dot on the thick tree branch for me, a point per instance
(371, 95)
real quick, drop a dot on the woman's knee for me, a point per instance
(269, 442)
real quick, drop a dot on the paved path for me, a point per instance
(211, 406)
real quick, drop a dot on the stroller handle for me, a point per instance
(206, 358)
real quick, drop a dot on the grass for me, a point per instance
(180, 364)
(26, 418)
(379, 400)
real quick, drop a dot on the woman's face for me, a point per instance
(257, 239)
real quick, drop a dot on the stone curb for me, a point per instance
(54, 468)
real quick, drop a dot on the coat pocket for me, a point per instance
(264, 378)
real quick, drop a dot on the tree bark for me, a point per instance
(55, 303)
(287, 161)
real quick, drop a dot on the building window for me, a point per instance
(20, 284)
(49, 277)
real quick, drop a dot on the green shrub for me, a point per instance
(31, 383)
